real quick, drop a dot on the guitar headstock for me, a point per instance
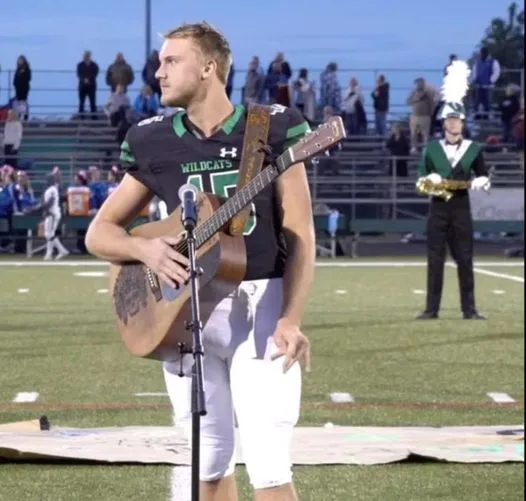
(319, 140)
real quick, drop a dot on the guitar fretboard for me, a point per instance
(235, 204)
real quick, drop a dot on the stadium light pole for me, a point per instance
(148, 25)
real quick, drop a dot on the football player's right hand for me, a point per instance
(170, 266)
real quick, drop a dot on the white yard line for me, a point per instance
(180, 484)
(500, 398)
(26, 396)
(489, 273)
(180, 488)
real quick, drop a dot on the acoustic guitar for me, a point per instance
(152, 316)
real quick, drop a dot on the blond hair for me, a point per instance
(210, 41)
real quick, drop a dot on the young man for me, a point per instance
(450, 222)
(252, 341)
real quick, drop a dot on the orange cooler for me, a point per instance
(78, 201)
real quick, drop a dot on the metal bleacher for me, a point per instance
(355, 180)
(71, 145)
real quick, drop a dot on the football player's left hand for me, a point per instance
(292, 344)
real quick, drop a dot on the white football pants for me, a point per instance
(240, 378)
(52, 241)
(50, 227)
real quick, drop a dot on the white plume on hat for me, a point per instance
(454, 88)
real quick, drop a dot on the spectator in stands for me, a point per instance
(509, 106)
(328, 112)
(284, 65)
(87, 72)
(121, 114)
(354, 108)
(330, 90)
(422, 102)
(6, 207)
(117, 106)
(81, 178)
(518, 127)
(436, 126)
(484, 75)
(21, 83)
(452, 57)
(327, 163)
(119, 73)
(10, 189)
(305, 98)
(254, 83)
(13, 132)
(275, 79)
(284, 96)
(115, 176)
(380, 97)
(261, 71)
(25, 191)
(230, 80)
(98, 189)
(398, 146)
(146, 103)
(148, 73)
(27, 202)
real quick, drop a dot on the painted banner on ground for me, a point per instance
(311, 445)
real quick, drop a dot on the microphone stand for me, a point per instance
(197, 391)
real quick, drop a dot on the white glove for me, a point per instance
(434, 178)
(481, 183)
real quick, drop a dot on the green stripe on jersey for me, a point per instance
(295, 133)
(126, 155)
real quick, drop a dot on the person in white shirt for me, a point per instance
(52, 216)
(12, 138)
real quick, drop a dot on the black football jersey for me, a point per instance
(163, 154)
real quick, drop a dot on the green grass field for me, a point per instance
(58, 339)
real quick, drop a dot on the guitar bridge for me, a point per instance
(153, 282)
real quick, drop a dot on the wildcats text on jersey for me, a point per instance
(206, 165)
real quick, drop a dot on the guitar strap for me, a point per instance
(252, 157)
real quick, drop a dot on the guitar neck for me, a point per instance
(325, 136)
(235, 204)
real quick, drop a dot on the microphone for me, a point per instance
(188, 196)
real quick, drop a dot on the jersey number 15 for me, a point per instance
(221, 183)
